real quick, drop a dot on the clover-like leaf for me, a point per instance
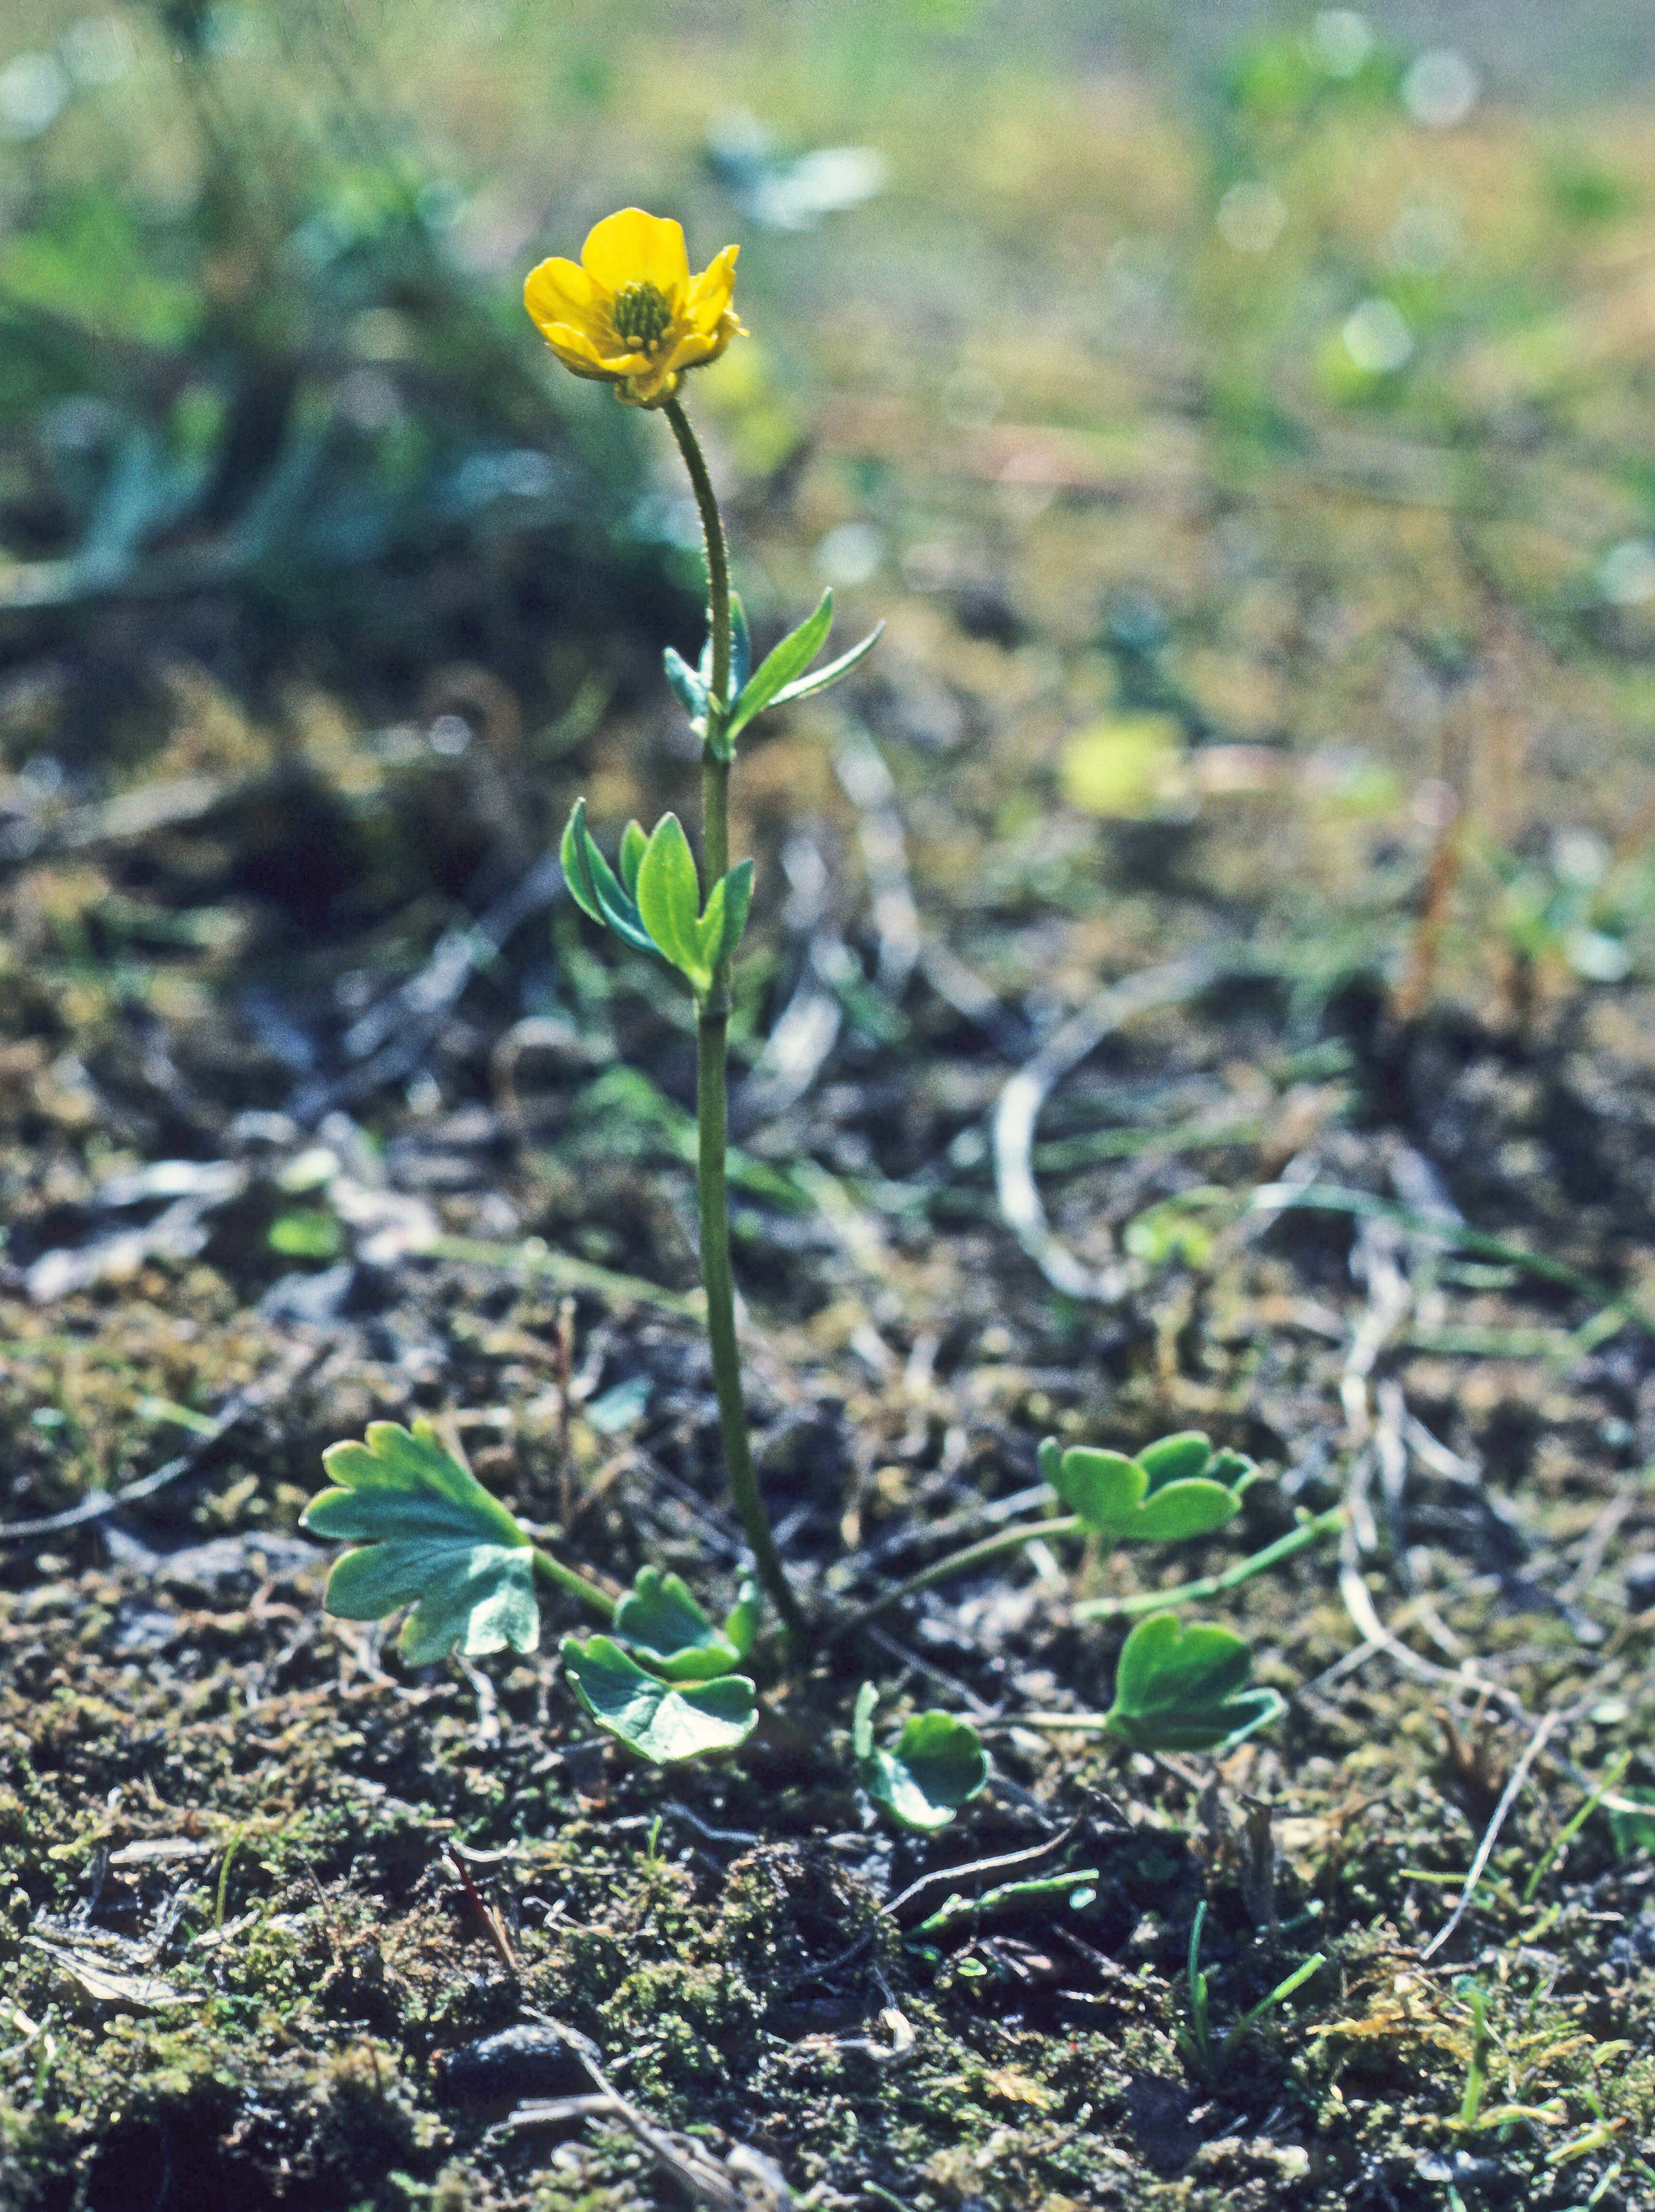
(427, 1534)
(1186, 1688)
(1176, 1459)
(594, 886)
(936, 1766)
(662, 1621)
(1162, 1496)
(659, 1722)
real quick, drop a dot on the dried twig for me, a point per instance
(1508, 1798)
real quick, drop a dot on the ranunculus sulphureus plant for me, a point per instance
(661, 1674)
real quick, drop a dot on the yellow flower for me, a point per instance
(628, 312)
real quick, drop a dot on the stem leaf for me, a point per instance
(821, 679)
(670, 896)
(594, 886)
(688, 686)
(780, 666)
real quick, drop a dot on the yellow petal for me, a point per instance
(577, 351)
(709, 292)
(561, 292)
(694, 347)
(635, 248)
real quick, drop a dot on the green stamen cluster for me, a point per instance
(642, 316)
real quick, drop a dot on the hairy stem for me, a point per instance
(573, 1585)
(711, 1051)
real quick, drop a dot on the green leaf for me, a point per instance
(689, 688)
(936, 1766)
(633, 842)
(780, 666)
(738, 887)
(719, 930)
(593, 885)
(741, 653)
(669, 896)
(1113, 1496)
(660, 1722)
(1186, 1689)
(742, 1621)
(429, 1536)
(1175, 1459)
(662, 1621)
(821, 679)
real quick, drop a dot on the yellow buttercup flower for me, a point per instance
(628, 312)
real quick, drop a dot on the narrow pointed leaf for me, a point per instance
(689, 688)
(633, 842)
(658, 1721)
(821, 679)
(710, 930)
(741, 1622)
(862, 1722)
(780, 666)
(594, 886)
(573, 855)
(670, 895)
(662, 1623)
(427, 1534)
(738, 887)
(1186, 1688)
(740, 647)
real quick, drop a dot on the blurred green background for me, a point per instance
(1238, 411)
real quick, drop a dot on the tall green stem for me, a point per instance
(711, 1051)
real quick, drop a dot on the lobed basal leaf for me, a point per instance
(662, 1620)
(1182, 1688)
(658, 1721)
(427, 1534)
(936, 1766)
(1167, 1495)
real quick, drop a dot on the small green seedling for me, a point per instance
(1201, 2054)
(1182, 1688)
(426, 1533)
(936, 1766)
(1171, 1493)
(668, 1629)
(675, 1694)
(660, 1721)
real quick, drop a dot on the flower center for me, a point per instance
(642, 315)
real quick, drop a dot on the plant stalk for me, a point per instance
(712, 1052)
(1257, 1563)
(573, 1585)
